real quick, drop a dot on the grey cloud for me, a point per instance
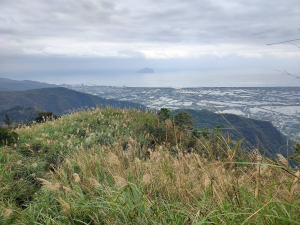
(108, 5)
(7, 31)
(149, 21)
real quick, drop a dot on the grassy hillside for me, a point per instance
(58, 100)
(113, 166)
(20, 114)
(256, 132)
(23, 85)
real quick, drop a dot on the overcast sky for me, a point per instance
(51, 37)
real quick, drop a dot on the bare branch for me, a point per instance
(287, 73)
(284, 42)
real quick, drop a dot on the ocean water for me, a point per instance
(176, 79)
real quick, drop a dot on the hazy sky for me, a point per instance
(51, 38)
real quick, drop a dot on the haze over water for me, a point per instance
(177, 79)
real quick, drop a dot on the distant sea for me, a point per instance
(175, 79)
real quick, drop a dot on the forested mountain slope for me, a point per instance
(252, 131)
(58, 100)
(20, 114)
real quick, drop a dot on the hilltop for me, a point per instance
(117, 166)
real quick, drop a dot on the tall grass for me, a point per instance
(112, 166)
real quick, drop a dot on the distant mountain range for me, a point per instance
(254, 132)
(146, 70)
(16, 85)
(58, 100)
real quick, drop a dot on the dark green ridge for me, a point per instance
(58, 100)
(20, 114)
(254, 131)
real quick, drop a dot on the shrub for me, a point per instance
(164, 114)
(296, 155)
(7, 137)
(184, 121)
(45, 116)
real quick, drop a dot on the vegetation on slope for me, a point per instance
(257, 133)
(58, 100)
(114, 166)
(20, 114)
(7, 137)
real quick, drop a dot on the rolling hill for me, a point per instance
(23, 85)
(58, 100)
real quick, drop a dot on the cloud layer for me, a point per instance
(148, 29)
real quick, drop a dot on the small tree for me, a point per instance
(296, 155)
(7, 137)
(164, 114)
(218, 129)
(7, 120)
(184, 121)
